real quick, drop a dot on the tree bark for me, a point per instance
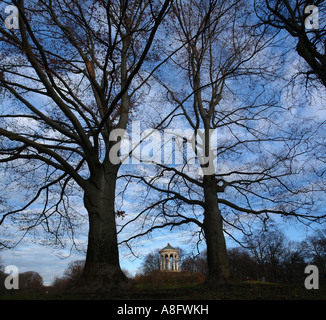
(102, 270)
(217, 259)
(308, 52)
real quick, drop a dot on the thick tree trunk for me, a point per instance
(309, 53)
(102, 270)
(217, 259)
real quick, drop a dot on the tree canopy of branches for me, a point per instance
(69, 76)
(252, 155)
(293, 16)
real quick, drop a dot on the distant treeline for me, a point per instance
(30, 281)
(264, 255)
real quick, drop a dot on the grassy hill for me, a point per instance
(184, 286)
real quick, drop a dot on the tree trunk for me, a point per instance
(307, 52)
(217, 259)
(102, 270)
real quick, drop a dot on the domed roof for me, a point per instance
(168, 247)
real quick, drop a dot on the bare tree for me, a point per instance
(30, 280)
(242, 266)
(255, 165)
(300, 26)
(301, 20)
(74, 271)
(266, 248)
(316, 250)
(68, 77)
(151, 263)
(195, 264)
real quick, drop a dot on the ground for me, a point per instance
(239, 291)
(195, 290)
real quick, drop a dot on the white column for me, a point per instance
(169, 261)
(177, 261)
(173, 262)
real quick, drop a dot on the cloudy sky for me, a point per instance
(51, 263)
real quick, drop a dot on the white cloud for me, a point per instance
(41, 259)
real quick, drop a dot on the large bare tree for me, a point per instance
(69, 76)
(250, 151)
(304, 21)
